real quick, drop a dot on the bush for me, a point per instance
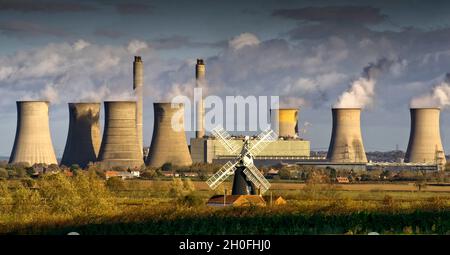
(3, 174)
(96, 197)
(6, 199)
(149, 173)
(27, 202)
(115, 184)
(60, 194)
(179, 188)
(190, 200)
(167, 167)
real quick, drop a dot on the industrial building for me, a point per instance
(425, 144)
(120, 142)
(33, 143)
(200, 82)
(288, 147)
(346, 144)
(83, 138)
(138, 86)
(169, 144)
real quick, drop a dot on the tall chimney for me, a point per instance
(120, 145)
(285, 122)
(138, 83)
(83, 139)
(425, 144)
(200, 83)
(346, 145)
(169, 143)
(33, 142)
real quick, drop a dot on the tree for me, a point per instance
(167, 167)
(115, 183)
(332, 173)
(3, 174)
(420, 184)
(284, 173)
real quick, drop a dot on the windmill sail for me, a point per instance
(221, 175)
(255, 176)
(266, 137)
(225, 139)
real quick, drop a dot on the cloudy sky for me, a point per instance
(313, 54)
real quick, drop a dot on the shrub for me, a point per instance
(27, 202)
(115, 184)
(60, 194)
(96, 197)
(6, 199)
(167, 167)
(190, 200)
(179, 188)
(3, 174)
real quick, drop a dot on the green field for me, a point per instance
(58, 204)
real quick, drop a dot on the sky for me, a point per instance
(382, 56)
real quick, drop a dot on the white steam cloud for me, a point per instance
(362, 90)
(242, 40)
(439, 96)
(66, 72)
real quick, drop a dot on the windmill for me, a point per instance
(248, 180)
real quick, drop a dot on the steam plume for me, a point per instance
(439, 96)
(362, 90)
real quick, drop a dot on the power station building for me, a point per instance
(425, 144)
(138, 86)
(288, 147)
(83, 138)
(33, 142)
(169, 144)
(120, 143)
(346, 144)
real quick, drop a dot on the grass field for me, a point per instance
(168, 207)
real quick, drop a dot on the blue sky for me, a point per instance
(306, 52)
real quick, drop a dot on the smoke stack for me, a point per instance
(346, 145)
(138, 83)
(33, 143)
(285, 121)
(425, 144)
(83, 139)
(168, 141)
(120, 144)
(200, 83)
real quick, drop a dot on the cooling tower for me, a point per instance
(138, 83)
(346, 145)
(120, 144)
(200, 82)
(169, 138)
(425, 144)
(286, 122)
(83, 139)
(33, 143)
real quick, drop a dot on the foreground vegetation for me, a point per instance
(57, 204)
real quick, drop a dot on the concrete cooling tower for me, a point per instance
(169, 143)
(33, 143)
(346, 145)
(83, 139)
(425, 144)
(285, 122)
(120, 144)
